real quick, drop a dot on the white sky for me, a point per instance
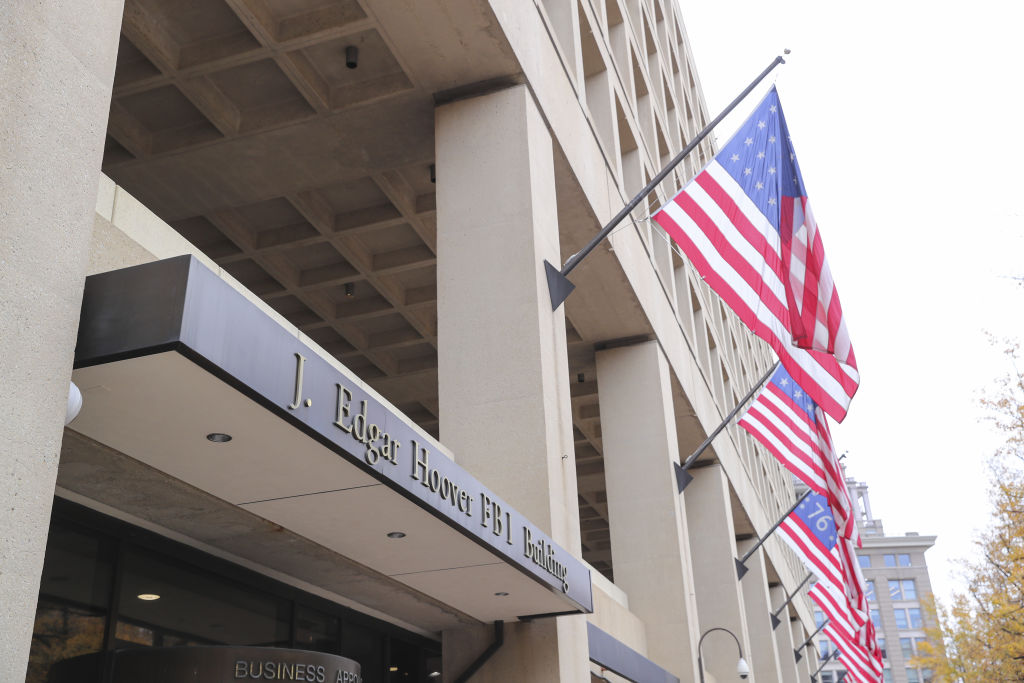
(905, 120)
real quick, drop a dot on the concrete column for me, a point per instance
(803, 667)
(502, 364)
(57, 69)
(713, 544)
(764, 657)
(650, 548)
(784, 638)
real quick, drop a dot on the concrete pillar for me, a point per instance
(803, 667)
(502, 364)
(713, 544)
(764, 657)
(57, 70)
(784, 638)
(650, 548)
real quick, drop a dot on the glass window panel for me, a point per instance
(870, 590)
(915, 617)
(907, 647)
(895, 591)
(909, 589)
(404, 662)
(901, 618)
(79, 568)
(889, 560)
(864, 561)
(881, 646)
(824, 647)
(876, 618)
(819, 617)
(196, 606)
(62, 631)
(927, 675)
(365, 645)
(74, 593)
(904, 560)
(826, 677)
(316, 631)
(887, 675)
(912, 676)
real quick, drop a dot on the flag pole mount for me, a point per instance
(559, 287)
(683, 476)
(741, 567)
(775, 615)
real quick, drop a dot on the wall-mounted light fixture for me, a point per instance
(742, 668)
(351, 56)
(74, 404)
(350, 289)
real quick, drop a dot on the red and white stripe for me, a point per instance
(737, 251)
(809, 549)
(804, 447)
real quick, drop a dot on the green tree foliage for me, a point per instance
(980, 637)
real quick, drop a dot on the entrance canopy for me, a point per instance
(184, 373)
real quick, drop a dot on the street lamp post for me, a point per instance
(741, 665)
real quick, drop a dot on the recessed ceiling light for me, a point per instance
(148, 596)
(218, 437)
(433, 674)
(396, 534)
(392, 668)
(501, 594)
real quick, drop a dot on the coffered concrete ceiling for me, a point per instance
(240, 124)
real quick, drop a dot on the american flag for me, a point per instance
(842, 631)
(788, 422)
(811, 531)
(745, 225)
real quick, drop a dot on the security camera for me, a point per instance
(742, 668)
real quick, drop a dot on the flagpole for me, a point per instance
(775, 615)
(683, 476)
(559, 286)
(741, 567)
(826, 660)
(797, 652)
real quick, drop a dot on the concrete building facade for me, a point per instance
(291, 253)
(896, 574)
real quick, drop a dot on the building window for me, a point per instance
(912, 676)
(889, 560)
(876, 618)
(915, 617)
(902, 589)
(903, 560)
(824, 648)
(819, 618)
(826, 677)
(881, 647)
(864, 561)
(886, 675)
(870, 590)
(907, 647)
(927, 675)
(901, 618)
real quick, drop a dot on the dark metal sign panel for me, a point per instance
(178, 304)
